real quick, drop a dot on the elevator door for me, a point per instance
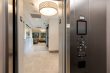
(2, 37)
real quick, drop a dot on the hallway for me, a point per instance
(40, 60)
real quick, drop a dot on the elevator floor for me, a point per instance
(41, 61)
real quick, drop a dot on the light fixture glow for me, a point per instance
(10, 8)
(48, 8)
(43, 30)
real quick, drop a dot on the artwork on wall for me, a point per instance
(43, 35)
(35, 35)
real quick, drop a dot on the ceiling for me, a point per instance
(32, 7)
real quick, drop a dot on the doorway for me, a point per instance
(41, 39)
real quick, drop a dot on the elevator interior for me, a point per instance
(94, 13)
(87, 19)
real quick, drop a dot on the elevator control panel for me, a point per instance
(81, 46)
(81, 42)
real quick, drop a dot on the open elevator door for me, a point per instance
(3, 36)
(18, 41)
(6, 39)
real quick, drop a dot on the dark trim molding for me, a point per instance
(15, 37)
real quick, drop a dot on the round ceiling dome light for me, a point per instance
(48, 8)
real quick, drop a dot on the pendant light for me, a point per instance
(48, 8)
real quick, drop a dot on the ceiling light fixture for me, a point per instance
(48, 8)
(10, 8)
(43, 30)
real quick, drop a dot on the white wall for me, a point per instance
(53, 34)
(108, 36)
(28, 43)
(28, 40)
(20, 36)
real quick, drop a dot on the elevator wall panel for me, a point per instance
(94, 12)
(97, 37)
(2, 37)
(108, 36)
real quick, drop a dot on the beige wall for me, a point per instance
(53, 34)
(108, 36)
(20, 36)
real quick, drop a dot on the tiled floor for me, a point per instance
(41, 61)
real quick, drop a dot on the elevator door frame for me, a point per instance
(15, 37)
(4, 36)
(63, 53)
